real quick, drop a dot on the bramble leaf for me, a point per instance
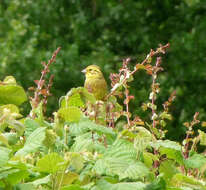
(195, 161)
(168, 168)
(72, 187)
(103, 185)
(120, 159)
(30, 126)
(87, 125)
(33, 142)
(202, 137)
(70, 114)
(12, 94)
(76, 97)
(180, 180)
(66, 178)
(51, 163)
(4, 152)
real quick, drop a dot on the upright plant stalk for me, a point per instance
(138, 66)
(188, 140)
(125, 75)
(127, 106)
(155, 69)
(42, 88)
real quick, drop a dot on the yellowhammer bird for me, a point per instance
(95, 82)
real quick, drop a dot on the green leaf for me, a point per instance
(202, 137)
(165, 115)
(5, 171)
(121, 148)
(30, 126)
(85, 142)
(26, 186)
(51, 163)
(120, 159)
(104, 185)
(169, 169)
(38, 112)
(4, 155)
(143, 139)
(122, 168)
(17, 164)
(166, 144)
(176, 155)
(72, 187)
(175, 188)
(70, 114)
(33, 142)
(76, 97)
(157, 184)
(12, 138)
(143, 133)
(17, 176)
(116, 107)
(12, 94)
(9, 80)
(12, 110)
(3, 140)
(149, 158)
(132, 170)
(14, 172)
(50, 138)
(87, 125)
(73, 100)
(76, 161)
(66, 178)
(195, 161)
(170, 148)
(179, 180)
(41, 181)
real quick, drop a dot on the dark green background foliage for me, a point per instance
(103, 33)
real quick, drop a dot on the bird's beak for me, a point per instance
(84, 71)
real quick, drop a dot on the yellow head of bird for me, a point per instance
(93, 72)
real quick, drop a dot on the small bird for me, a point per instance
(95, 82)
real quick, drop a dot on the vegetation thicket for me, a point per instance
(147, 133)
(90, 144)
(103, 33)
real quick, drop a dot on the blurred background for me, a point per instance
(103, 33)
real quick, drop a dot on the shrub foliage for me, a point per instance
(95, 145)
